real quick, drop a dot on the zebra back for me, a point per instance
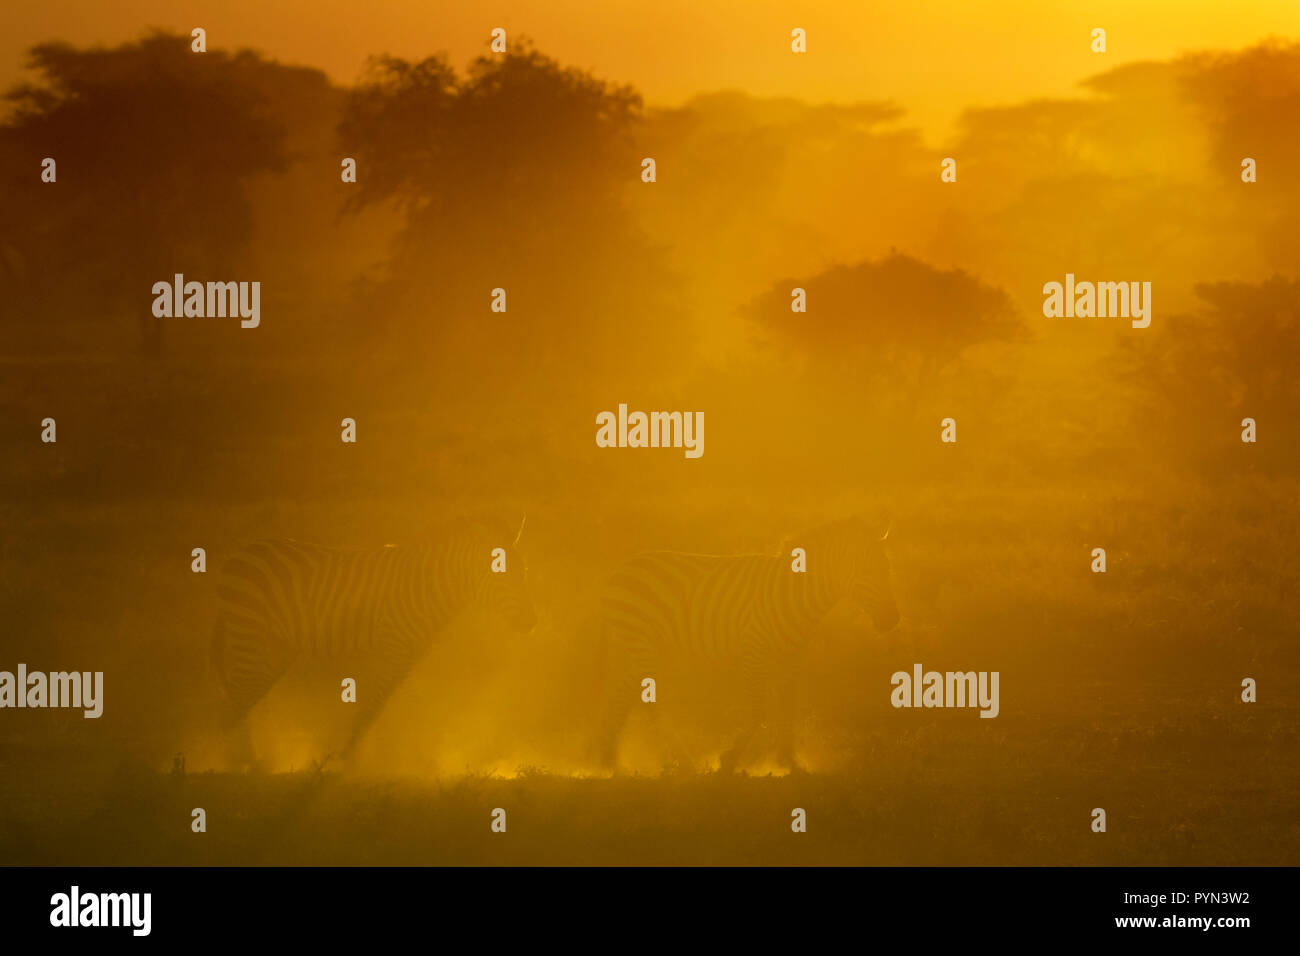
(705, 604)
(329, 601)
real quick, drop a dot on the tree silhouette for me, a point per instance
(155, 145)
(519, 136)
(904, 320)
(1201, 374)
(514, 176)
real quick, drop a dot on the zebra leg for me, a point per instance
(619, 697)
(631, 659)
(247, 666)
(739, 749)
(755, 680)
(785, 745)
(786, 693)
(243, 755)
(672, 753)
(396, 656)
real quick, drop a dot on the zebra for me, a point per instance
(281, 600)
(752, 613)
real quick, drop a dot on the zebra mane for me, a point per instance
(493, 526)
(852, 527)
(474, 527)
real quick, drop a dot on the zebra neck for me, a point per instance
(446, 580)
(808, 595)
(417, 595)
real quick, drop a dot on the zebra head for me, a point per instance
(505, 592)
(866, 579)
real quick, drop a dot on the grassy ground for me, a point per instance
(1212, 788)
(1118, 691)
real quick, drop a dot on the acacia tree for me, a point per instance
(514, 175)
(896, 323)
(154, 148)
(1201, 374)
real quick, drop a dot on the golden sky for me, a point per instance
(934, 57)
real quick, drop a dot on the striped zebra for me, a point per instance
(750, 614)
(281, 600)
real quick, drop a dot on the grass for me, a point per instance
(1118, 691)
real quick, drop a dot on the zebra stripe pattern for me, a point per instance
(752, 613)
(281, 600)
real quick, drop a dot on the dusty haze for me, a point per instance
(775, 171)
